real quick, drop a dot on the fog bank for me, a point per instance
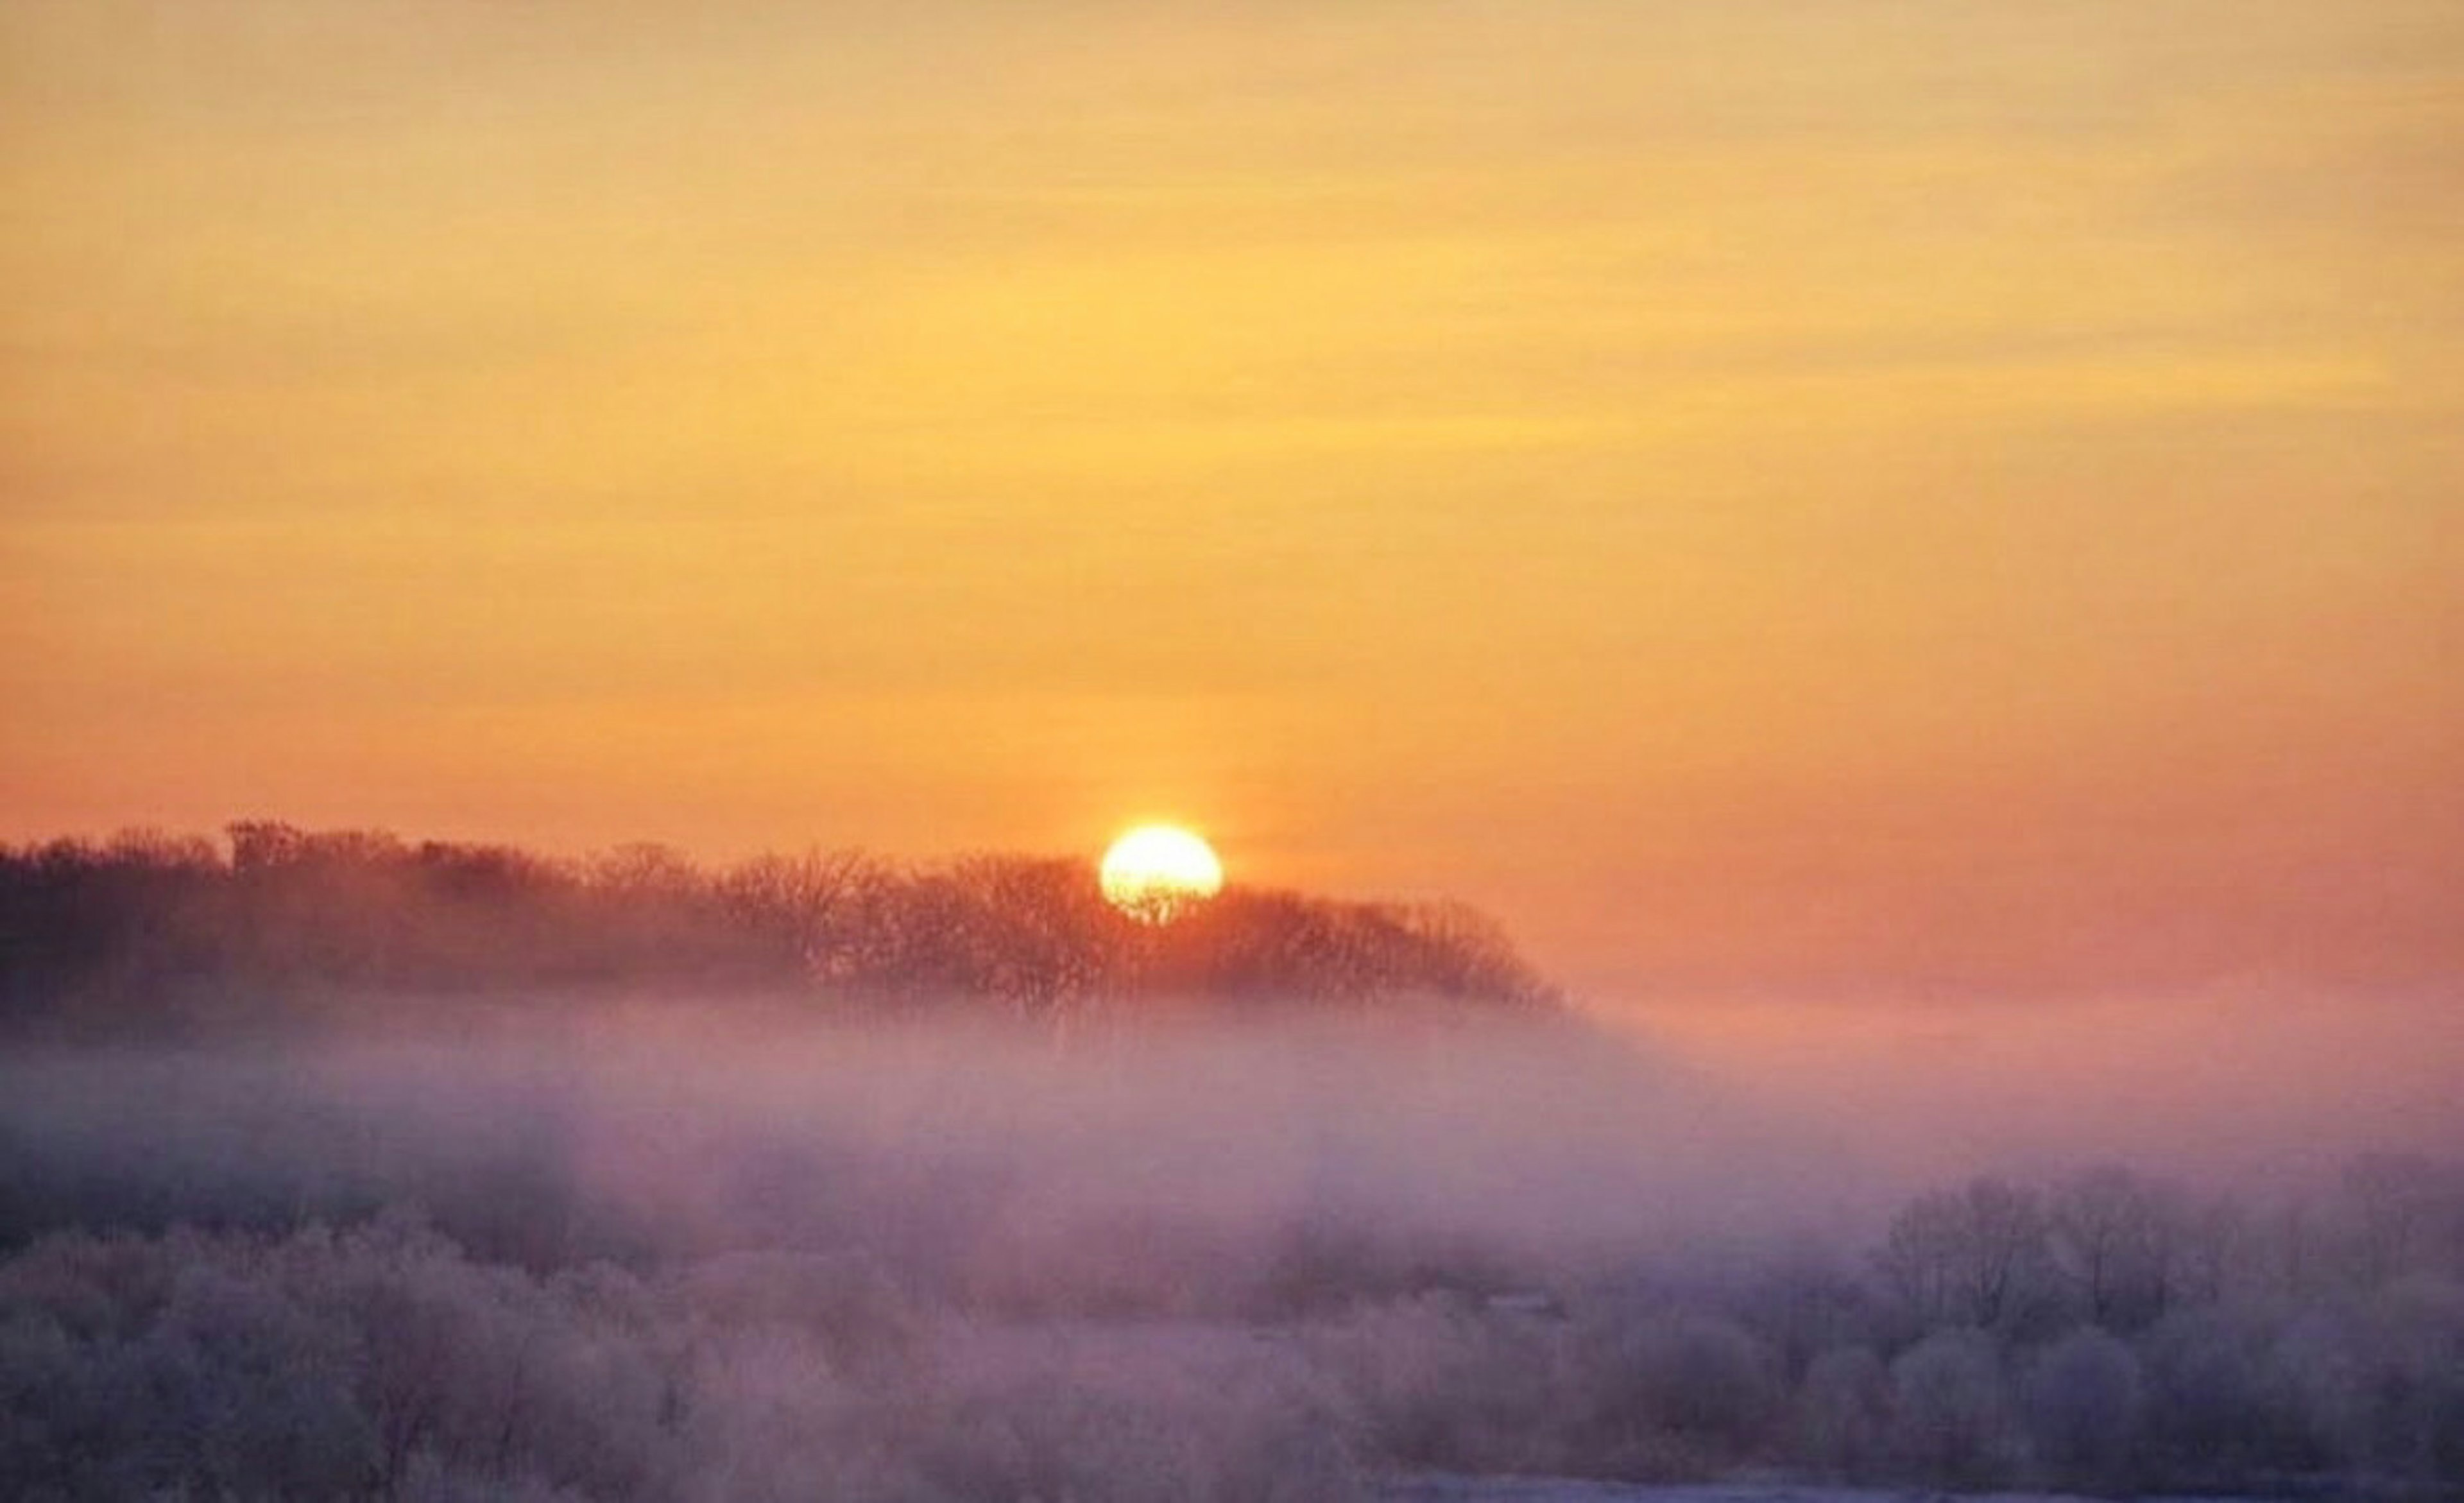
(669, 1257)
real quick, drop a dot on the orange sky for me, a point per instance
(1903, 500)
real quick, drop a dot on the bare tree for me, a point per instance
(2109, 1243)
(1965, 1256)
(809, 904)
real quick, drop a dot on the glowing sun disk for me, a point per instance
(1155, 872)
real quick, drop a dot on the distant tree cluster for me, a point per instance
(149, 932)
(384, 1365)
(2115, 1333)
(2110, 1335)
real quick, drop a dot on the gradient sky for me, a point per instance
(1775, 500)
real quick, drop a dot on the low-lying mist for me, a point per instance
(671, 1256)
(1191, 1168)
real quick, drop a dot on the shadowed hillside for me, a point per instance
(148, 931)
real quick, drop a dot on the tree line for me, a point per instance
(386, 1360)
(150, 931)
(2115, 1331)
(2108, 1333)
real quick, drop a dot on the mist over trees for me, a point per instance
(146, 933)
(856, 1210)
(930, 1265)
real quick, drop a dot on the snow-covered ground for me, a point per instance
(1447, 1489)
(1437, 1489)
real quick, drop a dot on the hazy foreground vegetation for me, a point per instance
(917, 1249)
(1275, 1263)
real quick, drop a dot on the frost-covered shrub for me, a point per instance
(1953, 1412)
(320, 1366)
(844, 1301)
(2216, 1406)
(2419, 1335)
(1686, 1391)
(176, 1368)
(2084, 1397)
(1211, 1415)
(1844, 1415)
(1442, 1385)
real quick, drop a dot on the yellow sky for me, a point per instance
(1767, 497)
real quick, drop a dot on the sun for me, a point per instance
(1157, 872)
